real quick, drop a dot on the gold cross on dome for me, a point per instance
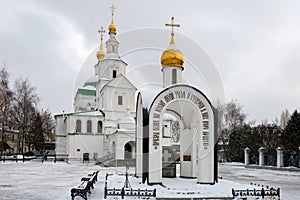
(101, 31)
(173, 25)
(113, 8)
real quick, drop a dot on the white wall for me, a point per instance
(81, 102)
(71, 128)
(85, 144)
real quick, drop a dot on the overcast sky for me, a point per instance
(255, 45)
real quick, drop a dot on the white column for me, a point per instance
(261, 152)
(279, 157)
(195, 129)
(206, 159)
(186, 148)
(139, 142)
(247, 151)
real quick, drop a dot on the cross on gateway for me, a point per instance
(173, 25)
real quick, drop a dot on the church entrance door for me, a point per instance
(129, 150)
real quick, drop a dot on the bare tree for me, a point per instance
(23, 110)
(284, 118)
(231, 117)
(6, 96)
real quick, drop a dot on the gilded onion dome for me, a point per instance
(112, 27)
(172, 57)
(101, 53)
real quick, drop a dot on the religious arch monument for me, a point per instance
(196, 116)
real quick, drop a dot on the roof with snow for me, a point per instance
(92, 81)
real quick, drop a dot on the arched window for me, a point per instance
(89, 126)
(99, 128)
(174, 76)
(78, 125)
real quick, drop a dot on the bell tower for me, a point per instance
(172, 61)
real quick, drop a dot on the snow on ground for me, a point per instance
(37, 181)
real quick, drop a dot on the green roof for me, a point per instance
(94, 84)
(86, 92)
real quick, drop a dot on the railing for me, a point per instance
(106, 158)
(126, 191)
(129, 192)
(256, 192)
(37, 157)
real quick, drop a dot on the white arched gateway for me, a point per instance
(197, 136)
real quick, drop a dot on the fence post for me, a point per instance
(261, 152)
(247, 151)
(122, 193)
(262, 193)
(233, 193)
(279, 157)
(105, 191)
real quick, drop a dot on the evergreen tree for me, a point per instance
(291, 136)
(37, 132)
(239, 140)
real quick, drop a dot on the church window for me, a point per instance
(89, 126)
(120, 100)
(114, 73)
(78, 126)
(99, 128)
(174, 76)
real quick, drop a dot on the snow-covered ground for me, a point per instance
(37, 181)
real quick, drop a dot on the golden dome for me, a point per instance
(172, 58)
(100, 55)
(112, 27)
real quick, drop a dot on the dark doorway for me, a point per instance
(128, 151)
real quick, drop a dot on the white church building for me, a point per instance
(113, 119)
(102, 124)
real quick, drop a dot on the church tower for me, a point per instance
(110, 65)
(172, 61)
(113, 90)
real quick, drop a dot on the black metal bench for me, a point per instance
(91, 178)
(81, 190)
(85, 186)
